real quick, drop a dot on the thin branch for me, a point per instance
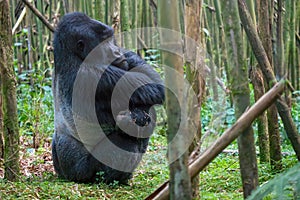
(142, 42)
(219, 81)
(39, 15)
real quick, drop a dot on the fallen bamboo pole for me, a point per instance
(227, 137)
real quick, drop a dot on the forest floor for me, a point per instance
(220, 180)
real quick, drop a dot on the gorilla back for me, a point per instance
(110, 147)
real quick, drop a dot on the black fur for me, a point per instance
(76, 36)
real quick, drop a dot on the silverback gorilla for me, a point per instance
(109, 148)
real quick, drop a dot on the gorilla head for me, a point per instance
(77, 35)
(79, 153)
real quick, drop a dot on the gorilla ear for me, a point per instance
(80, 45)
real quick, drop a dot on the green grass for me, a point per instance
(219, 180)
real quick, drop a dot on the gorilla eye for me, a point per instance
(80, 45)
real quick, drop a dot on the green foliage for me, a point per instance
(283, 186)
(34, 96)
(216, 116)
(35, 106)
(153, 57)
(296, 110)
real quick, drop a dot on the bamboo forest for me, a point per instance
(150, 99)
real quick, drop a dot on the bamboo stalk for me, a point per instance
(40, 33)
(125, 24)
(292, 48)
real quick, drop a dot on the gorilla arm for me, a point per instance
(136, 90)
(140, 86)
(112, 90)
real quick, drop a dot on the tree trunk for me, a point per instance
(194, 66)
(223, 65)
(209, 48)
(241, 95)
(115, 18)
(145, 23)
(1, 124)
(275, 148)
(125, 24)
(292, 46)
(99, 11)
(107, 11)
(257, 80)
(180, 182)
(10, 118)
(297, 13)
(272, 122)
(134, 24)
(274, 136)
(279, 58)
